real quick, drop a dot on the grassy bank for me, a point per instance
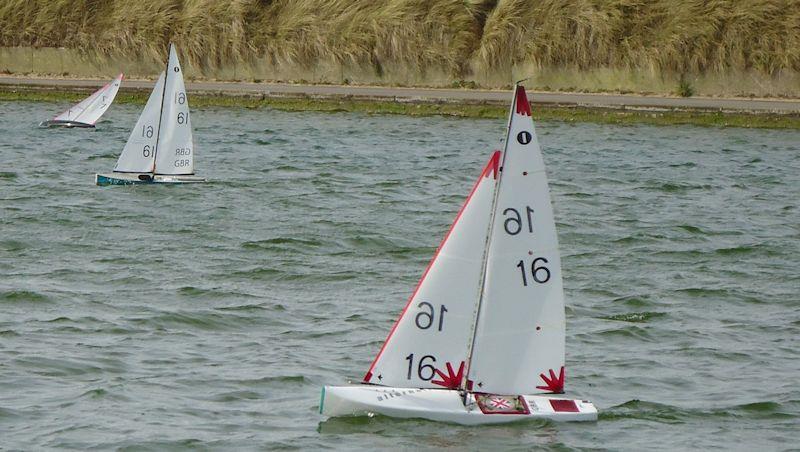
(686, 46)
(466, 110)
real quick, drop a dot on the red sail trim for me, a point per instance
(493, 163)
(453, 379)
(121, 77)
(523, 106)
(555, 383)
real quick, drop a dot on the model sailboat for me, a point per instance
(88, 111)
(160, 148)
(482, 338)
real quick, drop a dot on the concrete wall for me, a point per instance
(63, 62)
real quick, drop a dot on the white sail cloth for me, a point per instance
(488, 314)
(138, 155)
(519, 340)
(428, 346)
(175, 151)
(89, 110)
(161, 141)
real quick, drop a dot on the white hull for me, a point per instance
(144, 178)
(67, 124)
(448, 406)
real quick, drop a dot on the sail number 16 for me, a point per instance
(425, 371)
(425, 320)
(513, 222)
(539, 273)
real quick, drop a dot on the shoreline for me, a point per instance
(491, 104)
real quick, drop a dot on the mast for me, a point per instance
(161, 112)
(464, 382)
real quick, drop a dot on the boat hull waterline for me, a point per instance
(68, 124)
(443, 405)
(145, 179)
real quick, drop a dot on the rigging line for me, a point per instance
(487, 245)
(161, 112)
(523, 80)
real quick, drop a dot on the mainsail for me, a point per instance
(175, 151)
(518, 346)
(89, 110)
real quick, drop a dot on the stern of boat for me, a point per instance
(179, 179)
(559, 409)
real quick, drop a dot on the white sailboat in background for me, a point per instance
(88, 111)
(482, 339)
(160, 148)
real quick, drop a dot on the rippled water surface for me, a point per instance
(209, 316)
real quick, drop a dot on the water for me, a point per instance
(209, 316)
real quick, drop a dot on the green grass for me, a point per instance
(465, 110)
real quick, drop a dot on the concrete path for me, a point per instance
(440, 95)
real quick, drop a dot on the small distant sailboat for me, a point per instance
(88, 111)
(482, 339)
(160, 149)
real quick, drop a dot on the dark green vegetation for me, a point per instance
(466, 110)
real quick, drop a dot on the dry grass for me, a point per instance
(451, 35)
(415, 33)
(674, 35)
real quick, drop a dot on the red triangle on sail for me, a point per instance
(523, 106)
(493, 165)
